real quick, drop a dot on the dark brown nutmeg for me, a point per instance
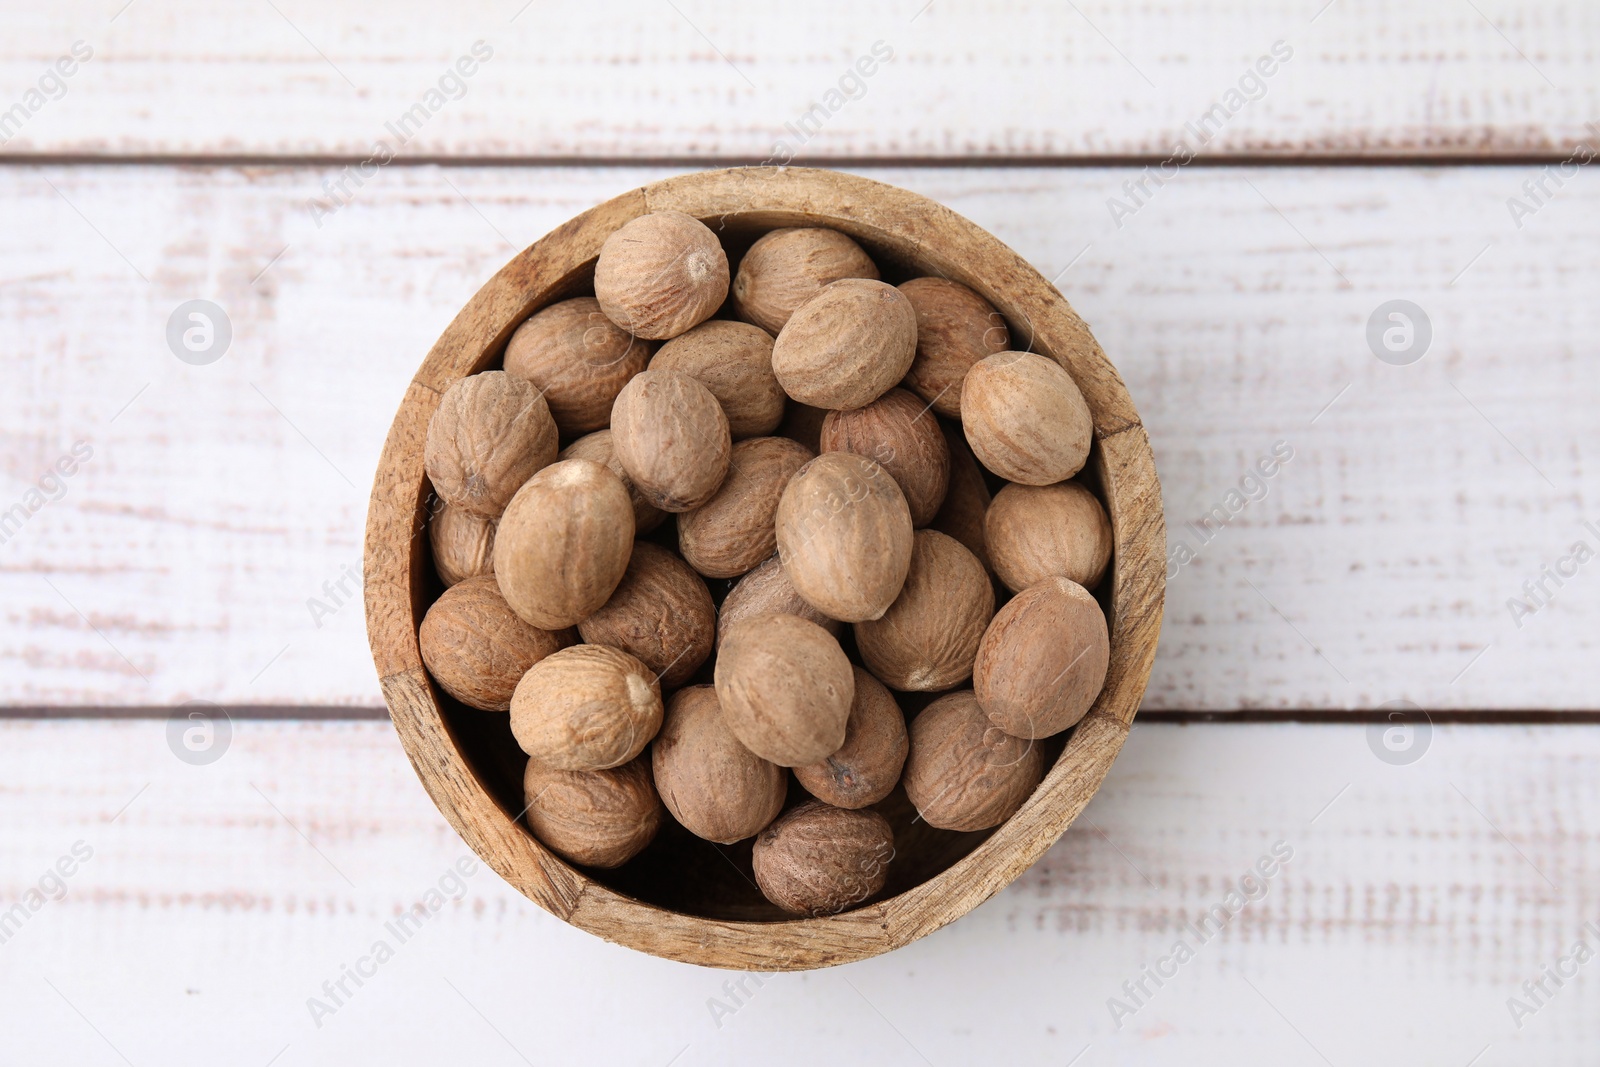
(462, 543)
(955, 329)
(928, 639)
(786, 267)
(901, 433)
(489, 435)
(596, 818)
(476, 647)
(821, 860)
(867, 766)
(712, 784)
(967, 501)
(1043, 660)
(661, 613)
(965, 773)
(578, 359)
(736, 529)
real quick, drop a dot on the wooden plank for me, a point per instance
(708, 79)
(218, 899)
(207, 543)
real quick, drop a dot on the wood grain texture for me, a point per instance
(714, 79)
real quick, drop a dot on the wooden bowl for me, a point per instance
(677, 899)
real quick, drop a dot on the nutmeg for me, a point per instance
(1043, 660)
(867, 766)
(670, 435)
(967, 500)
(490, 433)
(661, 613)
(1036, 531)
(597, 447)
(965, 773)
(586, 708)
(768, 591)
(821, 860)
(844, 534)
(1025, 418)
(928, 638)
(712, 784)
(785, 687)
(462, 543)
(846, 346)
(899, 432)
(734, 361)
(596, 818)
(734, 530)
(563, 543)
(803, 423)
(786, 267)
(661, 274)
(578, 359)
(955, 329)
(477, 649)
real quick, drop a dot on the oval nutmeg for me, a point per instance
(563, 543)
(786, 267)
(736, 529)
(1034, 532)
(901, 433)
(670, 435)
(846, 346)
(734, 361)
(597, 447)
(1025, 418)
(718, 789)
(1043, 660)
(578, 359)
(928, 639)
(965, 773)
(955, 329)
(661, 274)
(661, 613)
(785, 687)
(967, 500)
(476, 647)
(866, 768)
(462, 543)
(596, 818)
(844, 535)
(586, 708)
(821, 860)
(489, 435)
(768, 591)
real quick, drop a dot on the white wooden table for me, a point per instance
(1396, 151)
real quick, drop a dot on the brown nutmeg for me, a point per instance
(596, 818)
(712, 784)
(490, 434)
(844, 534)
(821, 860)
(899, 432)
(586, 708)
(965, 773)
(955, 329)
(661, 274)
(928, 639)
(661, 613)
(967, 501)
(768, 591)
(462, 543)
(670, 435)
(846, 346)
(867, 766)
(1025, 418)
(579, 360)
(785, 687)
(1043, 660)
(734, 361)
(477, 649)
(735, 529)
(597, 447)
(803, 423)
(563, 543)
(786, 267)
(1034, 532)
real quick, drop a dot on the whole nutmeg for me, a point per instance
(967, 501)
(844, 534)
(1034, 532)
(586, 708)
(900, 433)
(955, 329)
(735, 529)
(596, 818)
(661, 274)
(786, 267)
(597, 447)
(563, 544)
(1025, 418)
(579, 360)
(734, 361)
(867, 766)
(846, 346)
(477, 649)
(785, 687)
(462, 543)
(1043, 660)
(928, 639)
(712, 784)
(821, 860)
(670, 435)
(661, 613)
(490, 434)
(768, 591)
(965, 773)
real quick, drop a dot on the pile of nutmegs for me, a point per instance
(799, 449)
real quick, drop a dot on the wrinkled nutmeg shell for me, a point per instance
(928, 639)
(661, 274)
(736, 529)
(967, 501)
(670, 435)
(596, 818)
(489, 435)
(661, 613)
(597, 447)
(712, 784)
(768, 591)
(821, 860)
(578, 359)
(477, 649)
(867, 766)
(1025, 418)
(965, 773)
(1043, 660)
(785, 687)
(846, 346)
(903, 435)
(1034, 532)
(734, 361)
(786, 267)
(586, 708)
(462, 543)
(955, 329)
